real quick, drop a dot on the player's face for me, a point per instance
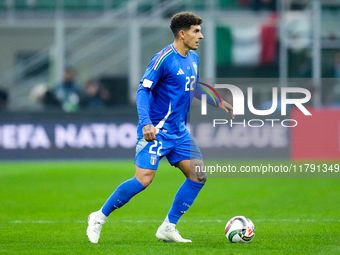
(192, 37)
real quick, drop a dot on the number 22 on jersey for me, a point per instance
(190, 81)
(153, 148)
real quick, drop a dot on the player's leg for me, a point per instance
(123, 193)
(146, 166)
(193, 169)
(188, 191)
(128, 189)
(184, 198)
(186, 194)
(190, 162)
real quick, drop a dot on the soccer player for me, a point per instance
(163, 99)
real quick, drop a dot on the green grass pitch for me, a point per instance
(44, 208)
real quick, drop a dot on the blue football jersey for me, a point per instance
(168, 80)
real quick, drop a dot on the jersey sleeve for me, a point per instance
(212, 99)
(153, 72)
(151, 76)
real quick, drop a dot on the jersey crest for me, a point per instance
(195, 67)
(153, 159)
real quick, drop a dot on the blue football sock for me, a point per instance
(122, 195)
(184, 198)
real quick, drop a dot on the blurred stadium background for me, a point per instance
(106, 45)
(110, 42)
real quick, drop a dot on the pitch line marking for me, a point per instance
(160, 221)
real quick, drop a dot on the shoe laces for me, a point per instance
(97, 226)
(174, 230)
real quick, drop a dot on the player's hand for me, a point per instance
(149, 132)
(227, 108)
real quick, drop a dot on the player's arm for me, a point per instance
(225, 106)
(152, 74)
(142, 100)
(149, 132)
(213, 99)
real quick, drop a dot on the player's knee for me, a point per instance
(144, 176)
(199, 177)
(145, 180)
(147, 183)
(199, 172)
(202, 177)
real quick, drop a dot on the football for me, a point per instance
(240, 229)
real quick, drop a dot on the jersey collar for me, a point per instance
(173, 48)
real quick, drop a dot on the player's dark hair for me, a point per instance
(183, 21)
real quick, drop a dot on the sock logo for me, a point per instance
(187, 205)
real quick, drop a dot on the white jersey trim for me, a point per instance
(161, 123)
